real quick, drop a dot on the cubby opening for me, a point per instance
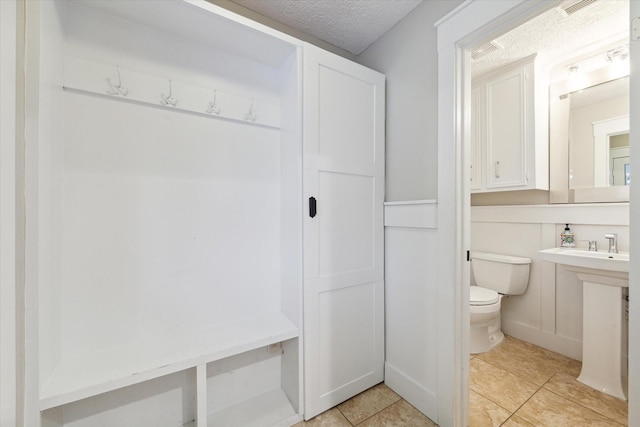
(251, 389)
(168, 401)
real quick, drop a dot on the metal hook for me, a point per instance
(168, 101)
(250, 117)
(117, 89)
(213, 109)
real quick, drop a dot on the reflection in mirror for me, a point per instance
(599, 135)
(619, 159)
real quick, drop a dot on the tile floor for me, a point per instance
(377, 407)
(516, 384)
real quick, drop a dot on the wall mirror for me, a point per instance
(589, 146)
(599, 135)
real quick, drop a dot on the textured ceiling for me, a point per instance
(352, 25)
(558, 36)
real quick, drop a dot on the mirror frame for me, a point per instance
(559, 108)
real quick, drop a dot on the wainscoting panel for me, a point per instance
(549, 314)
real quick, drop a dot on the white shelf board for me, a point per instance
(89, 375)
(271, 409)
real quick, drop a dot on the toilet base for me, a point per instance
(482, 341)
(485, 332)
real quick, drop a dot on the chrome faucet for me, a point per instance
(613, 242)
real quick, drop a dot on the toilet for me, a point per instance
(495, 276)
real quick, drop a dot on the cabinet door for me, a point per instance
(478, 110)
(506, 130)
(343, 238)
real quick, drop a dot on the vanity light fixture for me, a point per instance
(617, 59)
(618, 54)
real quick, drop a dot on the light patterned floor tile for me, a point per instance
(368, 403)
(567, 386)
(485, 413)
(400, 414)
(547, 409)
(516, 421)
(499, 386)
(331, 418)
(528, 361)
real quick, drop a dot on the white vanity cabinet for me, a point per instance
(509, 130)
(164, 217)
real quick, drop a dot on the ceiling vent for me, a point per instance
(485, 50)
(571, 7)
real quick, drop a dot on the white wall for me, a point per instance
(407, 55)
(549, 314)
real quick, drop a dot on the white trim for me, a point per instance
(423, 399)
(8, 331)
(411, 202)
(473, 22)
(567, 346)
(634, 225)
(411, 214)
(593, 214)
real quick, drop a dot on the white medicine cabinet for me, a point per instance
(165, 216)
(509, 129)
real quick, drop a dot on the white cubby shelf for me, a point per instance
(81, 377)
(268, 409)
(164, 238)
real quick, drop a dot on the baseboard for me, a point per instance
(566, 346)
(417, 395)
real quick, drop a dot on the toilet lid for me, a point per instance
(482, 296)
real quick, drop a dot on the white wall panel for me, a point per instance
(410, 315)
(549, 314)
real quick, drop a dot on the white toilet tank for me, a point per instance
(505, 274)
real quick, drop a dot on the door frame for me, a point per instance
(467, 27)
(10, 377)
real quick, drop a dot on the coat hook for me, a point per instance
(117, 89)
(213, 109)
(168, 101)
(250, 117)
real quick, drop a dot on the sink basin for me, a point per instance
(581, 258)
(603, 276)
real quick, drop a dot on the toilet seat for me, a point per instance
(482, 296)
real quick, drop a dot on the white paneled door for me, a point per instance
(343, 229)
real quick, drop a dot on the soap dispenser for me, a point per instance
(567, 238)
